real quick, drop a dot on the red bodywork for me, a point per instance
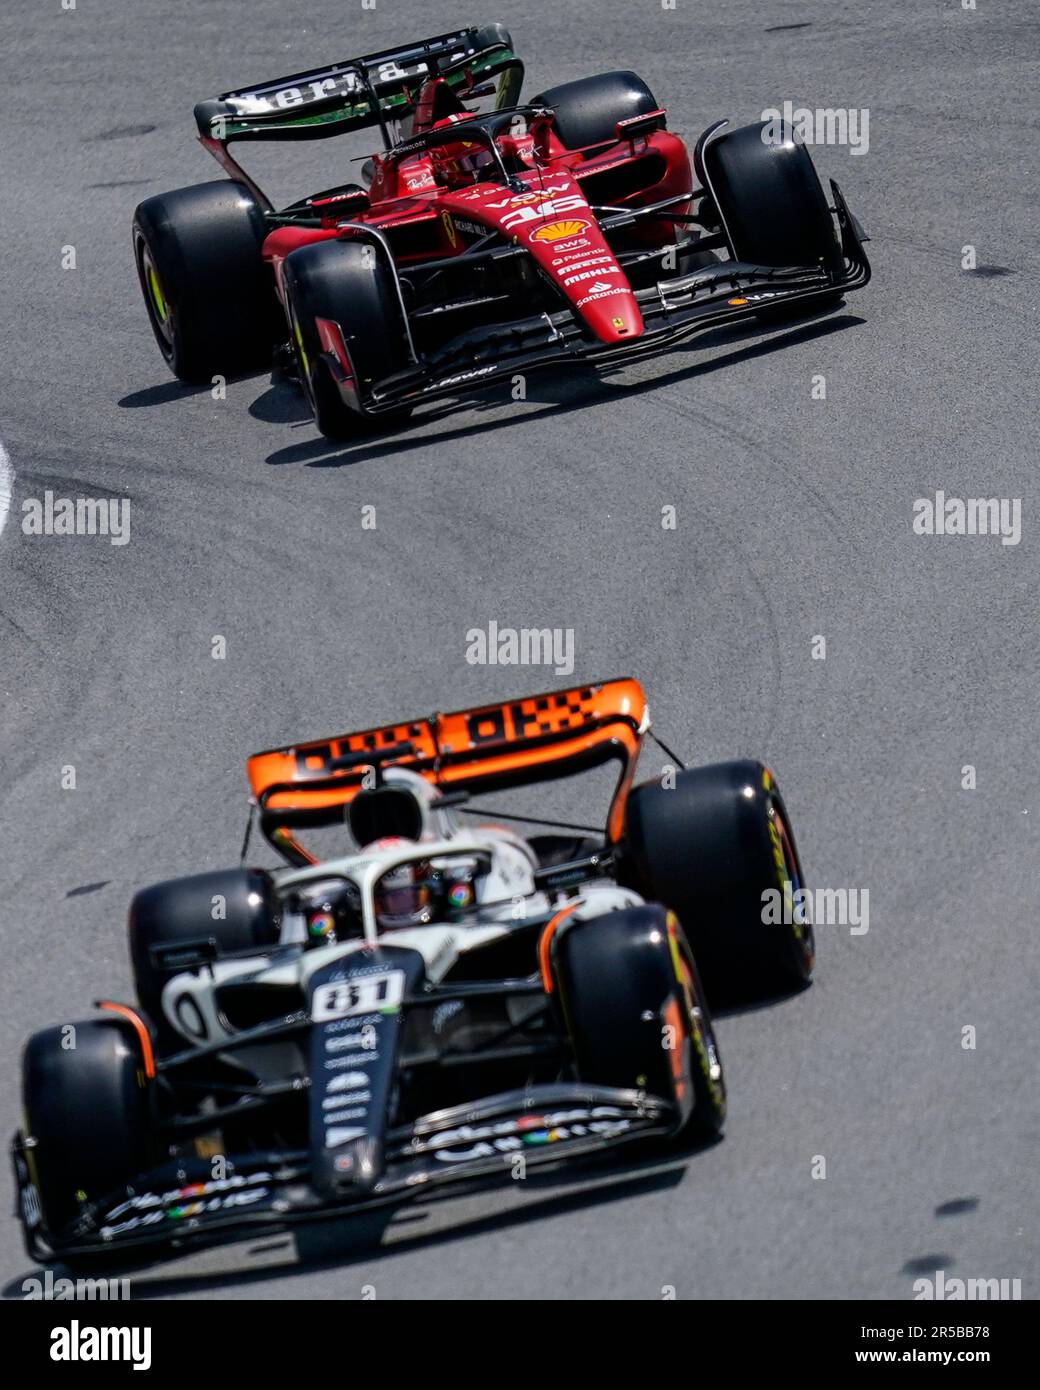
(428, 210)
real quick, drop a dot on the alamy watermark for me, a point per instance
(48, 1288)
(525, 646)
(820, 125)
(946, 1290)
(77, 516)
(81, 1342)
(969, 516)
(821, 907)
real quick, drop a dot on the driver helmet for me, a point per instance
(402, 895)
(461, 161)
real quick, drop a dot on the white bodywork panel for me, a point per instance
(507, 895)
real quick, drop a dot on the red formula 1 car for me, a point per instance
(487, 242)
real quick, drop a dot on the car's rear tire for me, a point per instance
(210, 298)
(349, 283)
(636, 1015)
(711, 848)
(235, 909)
(772, 205)
(88, 1112)
(587, 111)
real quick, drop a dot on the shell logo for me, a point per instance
(559, 231)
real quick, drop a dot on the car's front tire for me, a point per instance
(636, 1015)
(768, 194)
(87, 1105)
(767, 197)
(348, 283)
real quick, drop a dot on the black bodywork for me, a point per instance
(290, 1151)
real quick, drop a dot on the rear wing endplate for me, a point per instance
(508, 744)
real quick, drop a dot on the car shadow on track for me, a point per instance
(341, 1242)
(575, 388)
(738, 1008)
(160, 395)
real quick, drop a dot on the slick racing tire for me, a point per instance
(771, 205)
(717, 848)
(88, 1112)
(636, 1014)
(349, 283)
(226, 910)
(210, 298)
(587, 111)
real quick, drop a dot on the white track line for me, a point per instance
(6, 485)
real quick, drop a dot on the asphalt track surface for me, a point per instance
(794, 520)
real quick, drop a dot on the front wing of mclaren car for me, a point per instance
(353, 1157)
(180, 1204)
(664, 312)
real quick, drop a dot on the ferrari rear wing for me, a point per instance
(507, 744)
(353, 93)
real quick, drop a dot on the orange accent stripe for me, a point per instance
(500, 737)
(545, 941)
(673, 1017)
(139, 1027)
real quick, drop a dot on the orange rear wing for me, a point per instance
(508, 744)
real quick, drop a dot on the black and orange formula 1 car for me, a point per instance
(487, 241)
(442, 999)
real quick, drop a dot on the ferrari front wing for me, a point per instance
(672, 310)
